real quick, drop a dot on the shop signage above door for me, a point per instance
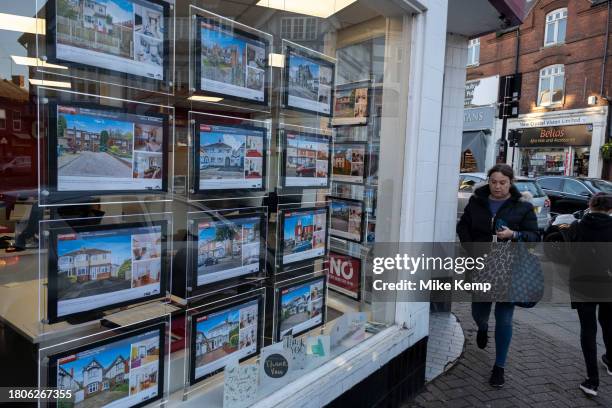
(478, 118)
(481, 92)
(557, 136)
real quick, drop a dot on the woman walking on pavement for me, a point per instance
(496, 212)
(590, 281)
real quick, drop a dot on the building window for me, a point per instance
(473, 52)
(552, 81)
(298, 28)
(2, 119)
(285, 28)
(16, 120)
(556, 24)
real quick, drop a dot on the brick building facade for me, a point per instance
(561, 46)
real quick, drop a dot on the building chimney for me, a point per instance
(19, 80)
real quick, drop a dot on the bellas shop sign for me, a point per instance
(556, 136)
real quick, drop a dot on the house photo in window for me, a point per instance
(473, 52)
(551, 86)
(556, 24)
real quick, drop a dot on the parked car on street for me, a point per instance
(571, 194)
(19, 165)
(556, 234)
(468, 182)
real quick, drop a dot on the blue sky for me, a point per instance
(301, 290)
(105, 355)
(295, 61)
(206, 234)
(233, 315)
(338, 205)
(120, 245)
(211, 37)
(207, 138)
(97, 124)
(291, 222)
(121, 10)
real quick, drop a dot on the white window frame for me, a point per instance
(553, 19)
(16, 120)
(289, 31)
(473, 52)
(551, 72)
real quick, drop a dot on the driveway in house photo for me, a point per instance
(97, 164)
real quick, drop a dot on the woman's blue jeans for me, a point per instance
(503, 326)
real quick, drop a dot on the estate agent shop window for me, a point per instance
(190, 190)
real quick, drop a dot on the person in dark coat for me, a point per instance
(497, 212)
(591, 284)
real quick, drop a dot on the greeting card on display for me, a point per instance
(356, 324)
(297, 351)
(274, 363)
(240, 386)
(318, 346)
(338, 330)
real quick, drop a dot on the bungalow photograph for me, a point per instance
(92, 265)
(217, 336)
(95, 377)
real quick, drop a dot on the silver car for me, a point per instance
(468, 182)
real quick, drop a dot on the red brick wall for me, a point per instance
(582, 53)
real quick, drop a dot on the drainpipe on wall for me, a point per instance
(606, 169)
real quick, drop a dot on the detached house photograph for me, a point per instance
(217, 337)
(97, 379)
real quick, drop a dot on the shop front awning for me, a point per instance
(476, 142)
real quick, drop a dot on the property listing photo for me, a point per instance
(125, 36)
(232, 61)
(223, 335)
(230, 157)
(304, 234)
(93, 268)
(107, 150)
(228, 247)
(301, 307)
(123, 371)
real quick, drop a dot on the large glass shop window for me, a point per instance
(190, 192)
